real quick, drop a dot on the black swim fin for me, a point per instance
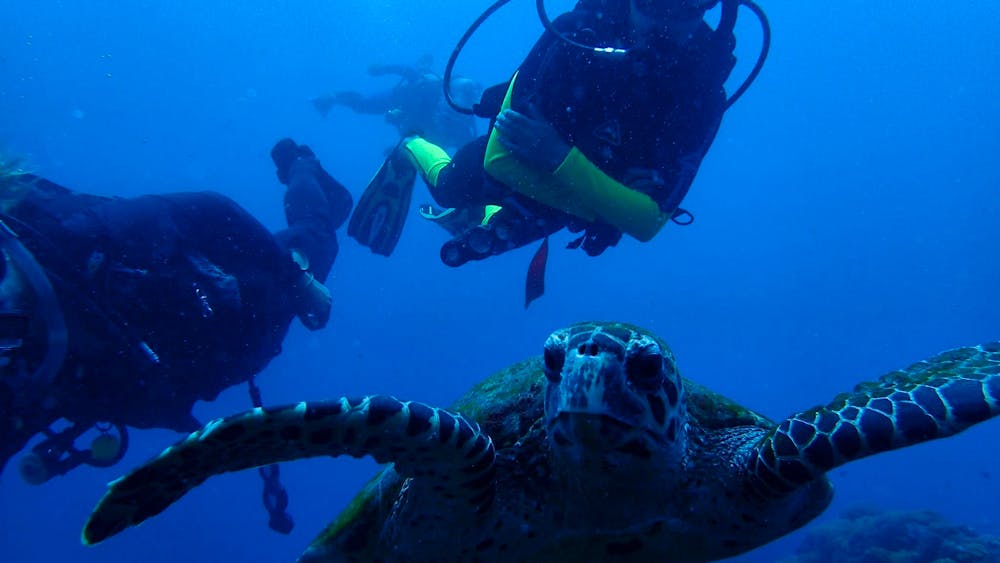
(381, 212)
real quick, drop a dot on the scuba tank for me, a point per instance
(617, 10)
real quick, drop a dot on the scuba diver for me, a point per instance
(600, 130)
(415, 105)
(118, 312)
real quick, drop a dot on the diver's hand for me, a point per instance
(534, 141)
(394, 116)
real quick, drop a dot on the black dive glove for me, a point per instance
(596, 238)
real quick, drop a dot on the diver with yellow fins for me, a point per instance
(601, 130)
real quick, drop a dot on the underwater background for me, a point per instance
(848, 224)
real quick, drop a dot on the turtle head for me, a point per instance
(614, 396)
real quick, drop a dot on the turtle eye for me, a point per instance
(554, 358)
(644, 367)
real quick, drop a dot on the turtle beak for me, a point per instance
(596, 433)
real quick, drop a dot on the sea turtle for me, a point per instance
(597, 451)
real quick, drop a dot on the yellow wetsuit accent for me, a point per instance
(577, 187)
(429, 158)
(628, 210)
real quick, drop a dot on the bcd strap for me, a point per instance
(491, 101)
(275, 496)
(682, 217)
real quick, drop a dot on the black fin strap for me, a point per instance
(275, 496)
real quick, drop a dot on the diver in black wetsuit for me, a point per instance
(601, 143)
(127, 311)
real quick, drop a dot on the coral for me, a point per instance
(877, 536)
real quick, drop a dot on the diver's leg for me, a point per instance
(458, 182)
(309, 238)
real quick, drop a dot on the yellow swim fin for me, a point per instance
(381, 212)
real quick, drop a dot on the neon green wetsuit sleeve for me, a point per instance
(628, 210)
(577, 187)
(429, 158)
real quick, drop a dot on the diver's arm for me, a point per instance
(647, 198)
(572, 184)
(375, 104)
(406, 72)
(576, 185)
(629, 210)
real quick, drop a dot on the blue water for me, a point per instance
(846, 226)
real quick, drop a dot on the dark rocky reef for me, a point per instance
(865, 535)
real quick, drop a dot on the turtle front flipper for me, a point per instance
(422, 441)
(935, 398)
